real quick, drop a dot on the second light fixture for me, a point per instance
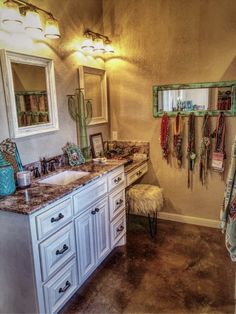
(97, 43)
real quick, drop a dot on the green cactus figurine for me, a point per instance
(81, 112)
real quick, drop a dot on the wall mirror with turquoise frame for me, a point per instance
(211, 97)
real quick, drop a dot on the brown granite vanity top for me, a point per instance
(40, 195)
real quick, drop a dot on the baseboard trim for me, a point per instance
(189, 220)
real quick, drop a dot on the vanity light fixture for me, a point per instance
(109, 48)
(96, 42)
(98, 45)
(52, 28)
(33, 23)
(88, 45)
(11, 17)
(20, 12)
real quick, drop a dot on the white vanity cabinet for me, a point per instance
(93, 240)
(46, 256)
(136, 174)
(54, 253)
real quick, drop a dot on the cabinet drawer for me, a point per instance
(116, 178)
(61, 287)
(118, 229)
(117, 202)
(57, 250)
(136, 174)
(90, 194)
(54, 218)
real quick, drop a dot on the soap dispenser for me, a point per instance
(7, 181)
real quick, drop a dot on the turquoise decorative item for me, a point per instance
(7, 181)
(74, 154)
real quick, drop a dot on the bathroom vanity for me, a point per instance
(53, 237)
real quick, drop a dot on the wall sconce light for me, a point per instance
(19, 13)
(33, 24)
(97, 43)
(11, 17)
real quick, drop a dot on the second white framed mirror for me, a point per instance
(93, 81)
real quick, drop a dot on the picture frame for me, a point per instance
(96, 142)
(74, 154)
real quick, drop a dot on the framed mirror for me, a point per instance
(30, 94)
(213, 97)
(93, 81)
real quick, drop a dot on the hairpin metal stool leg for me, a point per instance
(152, 220)
(127, 213)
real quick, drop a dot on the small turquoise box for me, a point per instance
(7, 181)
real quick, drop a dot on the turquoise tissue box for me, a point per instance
(7, 181)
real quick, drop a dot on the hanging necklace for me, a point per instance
(164, 137)
(205, 149)
(219, 154)
(191, 149)
(178, 138)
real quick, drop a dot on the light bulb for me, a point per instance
(109, 49)
(99, 46)
(11, 18)
(87, 45)
(52, 29)
(33, 23)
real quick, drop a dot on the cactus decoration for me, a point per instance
(81, 111)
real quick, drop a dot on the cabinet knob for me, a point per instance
(121, 228)
(93, 212)
(97, 209)
(67, 286)
(65, 248)
(117, 180)
(119, 203)
(59, 217)
(139, 173)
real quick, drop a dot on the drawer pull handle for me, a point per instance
(139, 173)
(117, 180)
(67, 286)
(119, 203)
(121, 228)
(60, 216)
(93, 212)
(65, 248)
(97, 209)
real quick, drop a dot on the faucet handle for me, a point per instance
(52, 166)
(44, 166)
(36, 172)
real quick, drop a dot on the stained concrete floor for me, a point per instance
(186, 270)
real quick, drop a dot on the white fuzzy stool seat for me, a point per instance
(147, 200)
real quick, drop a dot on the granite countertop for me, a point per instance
(39, 195)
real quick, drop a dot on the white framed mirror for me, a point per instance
(93, 81)
(30, 94)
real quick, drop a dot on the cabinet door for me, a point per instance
(102, 229)
(85, 244)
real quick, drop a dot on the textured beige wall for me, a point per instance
(164, 42)
(74, 16)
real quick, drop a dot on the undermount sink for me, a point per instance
(65, 177)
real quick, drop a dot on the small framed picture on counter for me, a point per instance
(96, 142)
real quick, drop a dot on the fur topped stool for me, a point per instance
(146, 200)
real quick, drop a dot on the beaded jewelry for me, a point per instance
(178, 138)
(191, 149)
(164, 136)
(205, 149)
